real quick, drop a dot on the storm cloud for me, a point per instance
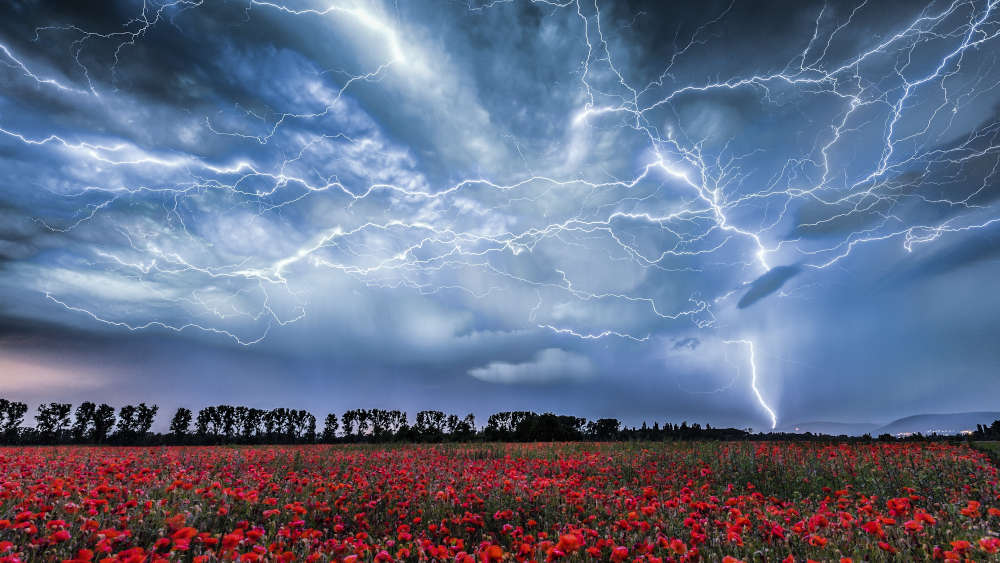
(577, 207)
(767, 284)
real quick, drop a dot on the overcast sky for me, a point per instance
(602, 209)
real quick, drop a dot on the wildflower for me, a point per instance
(568, 543)
(493, 553)
(678, 546)
(817, 541)
(961, 546)
(885, 546)
(971, 510)
(990, 545)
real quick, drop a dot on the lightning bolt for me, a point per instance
(753, 380)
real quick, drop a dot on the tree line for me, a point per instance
(91, 423)
(983, 432)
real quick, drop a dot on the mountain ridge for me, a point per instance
(924, 423)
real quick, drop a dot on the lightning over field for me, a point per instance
(754, 213)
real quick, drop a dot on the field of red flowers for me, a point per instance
(658, 502)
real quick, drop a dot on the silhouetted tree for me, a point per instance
(503, 425)
(145, 416)
(227, 418)
(991, 432)
(203, 423)
(349, 422)
(364, 422)
(330, 425)
(464, 429)
(52, 420)
(299, 424)
(127, 424)
(83, 425)
(240, 415)
(180, 424)
(310, 428)
(549, 427)
(356, 423)
(104, 421)
(251, 424)
(380, 424)
(450, 424)
(498, 426)
(274, 422)
(11, 417)
(430, 425)
(397, 423)
(604, 429)
(286, 424)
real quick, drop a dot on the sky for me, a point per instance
(725, 212)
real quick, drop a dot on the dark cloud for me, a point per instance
(767, 284)
(690, 343)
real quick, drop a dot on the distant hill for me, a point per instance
(953, 423)
(941, 423)
(831, 428)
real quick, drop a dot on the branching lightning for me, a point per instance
(705, 211)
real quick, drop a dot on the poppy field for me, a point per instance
(487, 503)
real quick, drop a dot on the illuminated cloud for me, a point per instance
(550, 365)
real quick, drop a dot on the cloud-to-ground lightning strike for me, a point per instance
(753, 380)
(696, 219)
